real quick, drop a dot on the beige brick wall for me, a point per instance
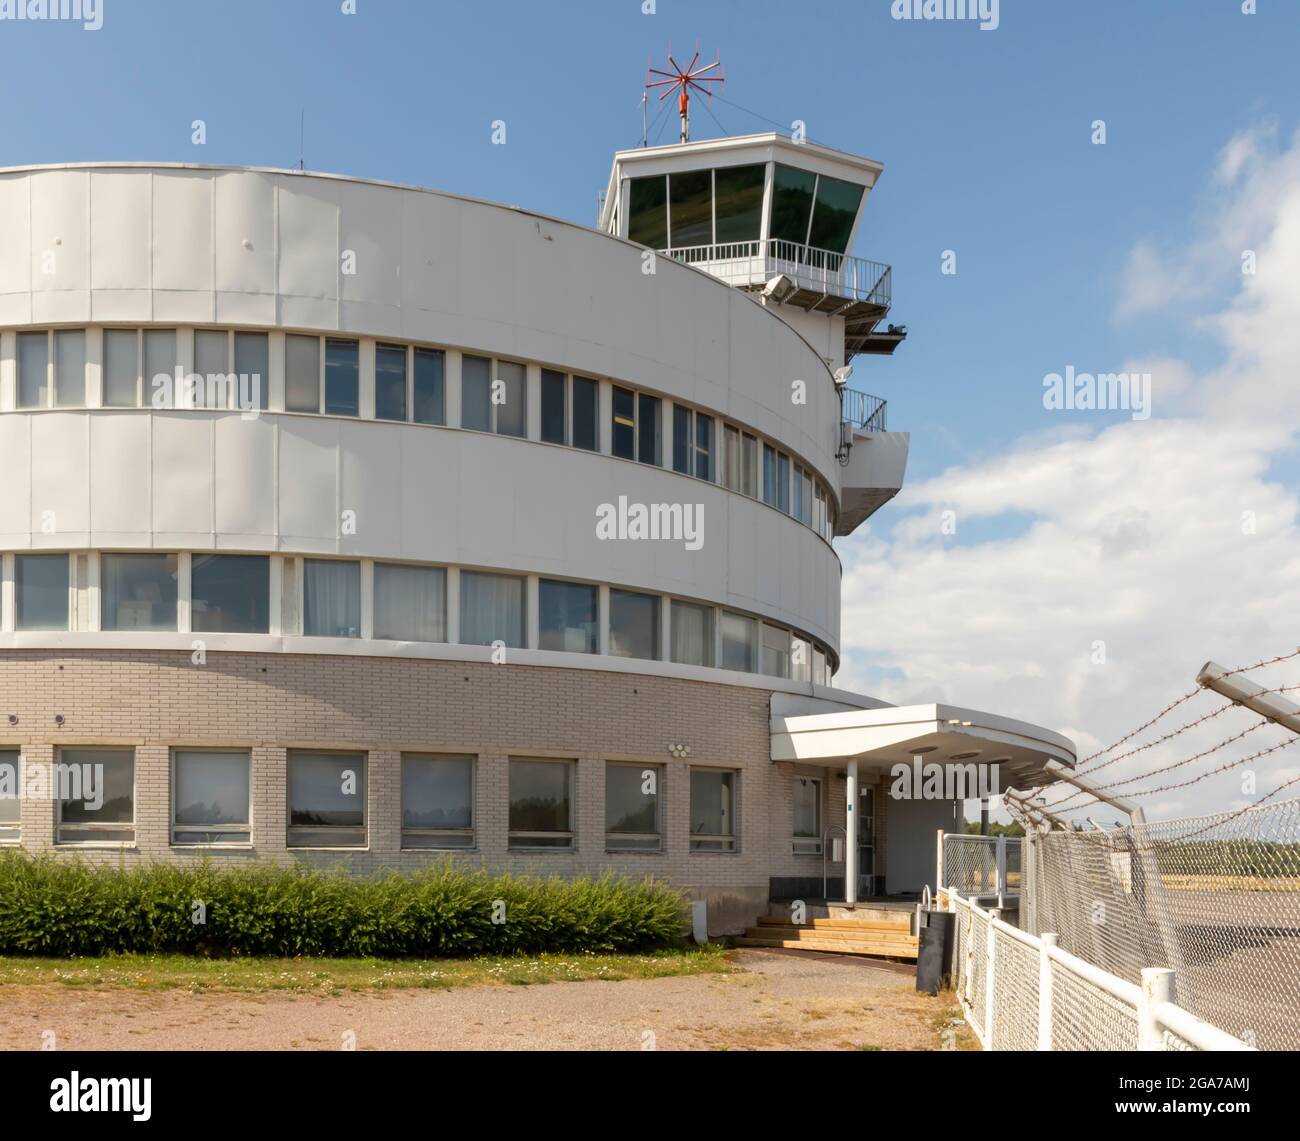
(269, 703)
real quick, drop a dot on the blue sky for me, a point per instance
(985, 137)
(1077, 529)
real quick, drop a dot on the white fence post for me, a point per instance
(989, 968)
(1157, 987)
(1049, 940)
(939, 881)
(1002, 868)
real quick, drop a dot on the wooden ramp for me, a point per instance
(872, 931)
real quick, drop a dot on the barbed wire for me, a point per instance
(1181, 700)
(1167, 768)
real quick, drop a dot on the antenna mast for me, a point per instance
(684, 80)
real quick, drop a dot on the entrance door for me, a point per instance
(866, 843)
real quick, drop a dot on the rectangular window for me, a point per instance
(821, 675)
(731, 457)
(137, 592)
(390, 382)
(410, 603)
(211, 352)
(703, 447)
(567, 617)
(491, 609)
(33, 370)
(331, 603)
(210, 797)
(749, 465)
(807, 816)
(738, 202)
(327, 800)
(647, 429)
(769, 475)
(739, 635)
(41, 592)
(11, 805)
(690, 208)
(437, 802)
(476, 394)
(555, 407)
(632, 817)
(159, 367)
(647, 221)
(586, 405)
(342, 377)
(819, 510)
(792, 202)
(800, 660)
(692, 634)
(512, 409)
(96, 792)
(783, 482)
(253, 365)
(834, 213)
(633, 625)
(70, 368)
(121, 368)
(301, 374)
(804, 495)
(681, 439)
(623, 439)
(713, 826)
(776, 652)
(541, 803)
(429, 386)
(230, 594)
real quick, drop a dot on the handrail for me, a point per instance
(808, 267)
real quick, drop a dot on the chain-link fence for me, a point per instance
(984, 867)
(1214, 898)
(1020, 992)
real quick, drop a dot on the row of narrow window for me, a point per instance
(231, 594)
(94, 790)
(323, 376)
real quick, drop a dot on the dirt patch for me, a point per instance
(775, 1001)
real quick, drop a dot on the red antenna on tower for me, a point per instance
(684, 80)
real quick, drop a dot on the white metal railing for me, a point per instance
(810, 268)
(1021, 992)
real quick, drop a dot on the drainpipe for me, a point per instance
(851, 839)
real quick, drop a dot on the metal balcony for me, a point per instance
(818, 279)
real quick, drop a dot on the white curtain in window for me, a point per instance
(332, 599)
(491, 609)
(692, 634)
(410, 603)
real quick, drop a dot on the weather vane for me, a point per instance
(684, 80)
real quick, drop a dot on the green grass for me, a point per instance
(334, 976)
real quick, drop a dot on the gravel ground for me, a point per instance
(777, 1001)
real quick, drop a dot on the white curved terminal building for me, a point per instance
(361, 523)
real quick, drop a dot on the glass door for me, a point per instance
(866, 843)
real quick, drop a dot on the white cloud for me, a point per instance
(1169, 540)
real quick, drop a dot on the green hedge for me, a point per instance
(63, 908)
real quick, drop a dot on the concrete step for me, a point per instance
(832, 935)
(871, 948)
(877, 919)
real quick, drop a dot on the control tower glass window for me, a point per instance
(690, 201)
(792, 201)
(647, 220)
(833, 215)
(738, 203)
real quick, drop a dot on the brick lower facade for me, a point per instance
(155, 701)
